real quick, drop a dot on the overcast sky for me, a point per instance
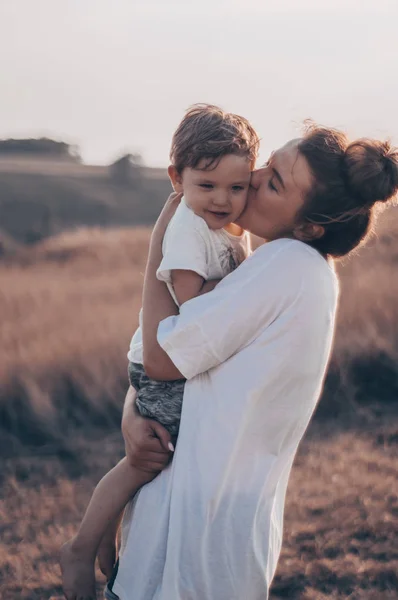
(117, 75)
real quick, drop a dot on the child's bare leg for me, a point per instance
(107, 552)
(107, 502)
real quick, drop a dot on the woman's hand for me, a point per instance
(148, 444)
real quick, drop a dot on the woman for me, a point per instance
(254, 353)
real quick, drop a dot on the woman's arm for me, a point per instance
(157, 302)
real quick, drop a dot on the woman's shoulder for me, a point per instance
(295, 265)
(292, 252)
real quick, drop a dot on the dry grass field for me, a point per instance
(68, 308)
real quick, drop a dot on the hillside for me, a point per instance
(42, 197)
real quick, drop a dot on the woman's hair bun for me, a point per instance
(371, 169)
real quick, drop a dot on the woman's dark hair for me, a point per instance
(350, 179)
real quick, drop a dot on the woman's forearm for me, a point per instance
(157, 305)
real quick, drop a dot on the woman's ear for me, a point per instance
(175, 178)
(308, 232)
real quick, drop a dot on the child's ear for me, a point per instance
(175, 178)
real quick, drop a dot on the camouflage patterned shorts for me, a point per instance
(159, 400)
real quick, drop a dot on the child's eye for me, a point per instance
(206, 186)
(237, 188)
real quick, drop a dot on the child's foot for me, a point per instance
(107, 555)
(78, 576)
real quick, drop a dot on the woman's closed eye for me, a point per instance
(272, 186)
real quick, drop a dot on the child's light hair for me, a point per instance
(208, 132)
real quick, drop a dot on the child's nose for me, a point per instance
(220, 198)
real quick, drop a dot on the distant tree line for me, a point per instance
(127, 169)
(40, 147)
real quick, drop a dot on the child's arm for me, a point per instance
(209, 286)
(188, 285)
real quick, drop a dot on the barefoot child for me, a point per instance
(212, 156)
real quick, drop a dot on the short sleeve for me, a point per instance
(213, 327)
(184, 248)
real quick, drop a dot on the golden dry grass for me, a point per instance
(69, 306)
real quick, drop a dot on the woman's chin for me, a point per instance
(247, 225)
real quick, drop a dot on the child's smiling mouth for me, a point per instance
(219, 213)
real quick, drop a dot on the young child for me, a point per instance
(212, 156)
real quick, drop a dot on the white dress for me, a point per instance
(254, 351)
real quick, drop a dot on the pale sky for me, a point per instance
(117, 75)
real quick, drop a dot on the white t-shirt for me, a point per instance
(254, 352)
(190, 245)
